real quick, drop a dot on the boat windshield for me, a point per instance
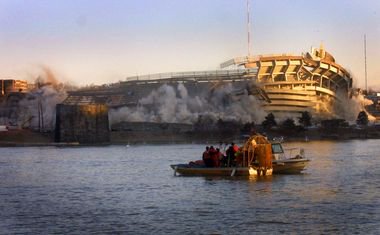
(277, 148)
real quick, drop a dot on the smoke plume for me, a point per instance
(349, 108)
(37, 110)
(174, 105)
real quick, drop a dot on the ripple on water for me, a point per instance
(133, 191)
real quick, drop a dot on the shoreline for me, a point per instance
(28, 138)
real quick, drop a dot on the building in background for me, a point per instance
(9, 86)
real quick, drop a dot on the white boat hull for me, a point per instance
(289, 166)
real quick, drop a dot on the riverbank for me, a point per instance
(19, 138)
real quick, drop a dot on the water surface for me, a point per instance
(132, 190)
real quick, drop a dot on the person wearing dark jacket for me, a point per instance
(207, 158)
(213, 155)
(232, 149)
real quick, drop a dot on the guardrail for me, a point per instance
(217, 74)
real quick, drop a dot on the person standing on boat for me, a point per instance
(219, 158)
(213, 156)
(231, 154)
(206, 157)
(222, 147)
(239, 156)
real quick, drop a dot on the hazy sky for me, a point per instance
(104, 41)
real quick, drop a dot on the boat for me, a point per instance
(259, 157)
(288, 161)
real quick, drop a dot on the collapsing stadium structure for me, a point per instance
(285, 85)
(312, 82)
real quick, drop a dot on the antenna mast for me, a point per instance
(365, 63)
(248, 29)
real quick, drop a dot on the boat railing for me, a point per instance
(291, 153)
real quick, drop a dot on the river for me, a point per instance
(132, 190)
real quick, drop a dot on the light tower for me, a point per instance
(365, 64)
(248, 29)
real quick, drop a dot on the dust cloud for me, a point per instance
(37, 108)
(349, 108)
(173, 104)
